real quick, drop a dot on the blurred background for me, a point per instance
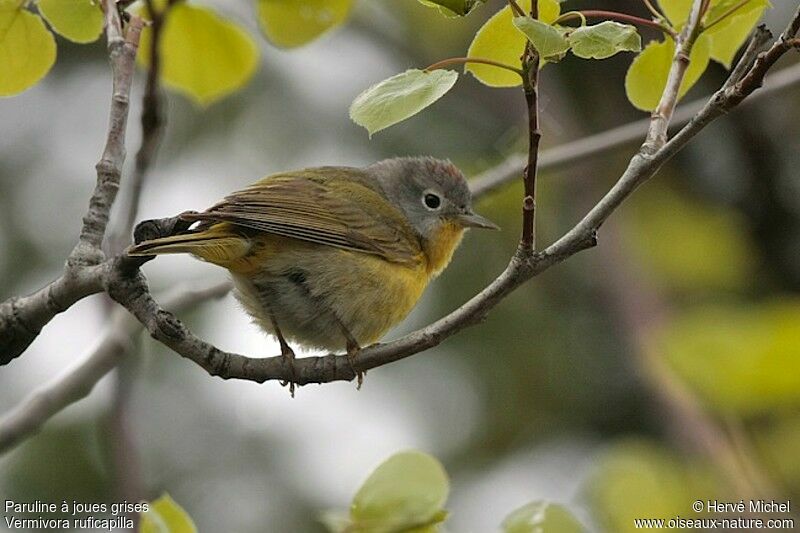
(594, 385)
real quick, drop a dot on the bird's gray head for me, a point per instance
(429, 192)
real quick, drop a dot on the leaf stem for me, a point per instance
(726, 14)
(515, 7)
(571, 15)
(624, 17)
(464, 60)
(652, 9)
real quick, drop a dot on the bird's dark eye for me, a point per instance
(432, 201)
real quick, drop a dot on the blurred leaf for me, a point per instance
(166, 516)
(604, 40)
(203, 55)
(500, 41)
(729, 35)
(292, 23)
(399, 97)
(61, 462)
(778, 444)
(541, 517)
(27, 49)
(80, 21)
(406, 491)
(639, 479)
(546, 39)
(741, 359)
(647, 75)
(453, 7)
(683, 244)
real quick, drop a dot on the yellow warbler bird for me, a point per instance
(333, 257)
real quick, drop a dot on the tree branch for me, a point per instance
(662, 116)
(577, 151)
(530, 85)
(76, 383)
(128, 286)
(152, 120)
(22, 318)
(122, 53)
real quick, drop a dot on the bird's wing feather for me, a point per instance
(322, 209)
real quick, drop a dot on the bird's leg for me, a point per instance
(286, 352)
(352, 352)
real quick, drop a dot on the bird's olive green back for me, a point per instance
(334, 206)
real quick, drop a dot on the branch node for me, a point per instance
(528, 203)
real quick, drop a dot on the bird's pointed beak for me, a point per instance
(474, 220)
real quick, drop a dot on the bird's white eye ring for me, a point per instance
(431, 200)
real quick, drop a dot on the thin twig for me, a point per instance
(652, 9)
(515, 7)
(122, 52)
(662, 116)
(530, 84)
(152, 121)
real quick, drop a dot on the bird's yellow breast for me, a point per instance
(440, 245)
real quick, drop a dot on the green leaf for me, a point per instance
(407, 491)
(729, 34)
(399, 97)
(541, 517)
(203, 56)
(499, 40)
(604, 40)
(452, 8)
(715, 252)
(743, 359)
(166, 516)
(546, 39)
(80, 21)
(292, 23)
(647, 75)
(651, 481)
(27, 49)
(677, 11)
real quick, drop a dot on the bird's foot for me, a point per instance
(353, 349)
(288, 356)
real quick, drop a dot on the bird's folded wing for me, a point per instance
(334, 212)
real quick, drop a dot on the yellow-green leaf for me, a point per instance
(730, 33)
(677, 11)
(541, 517)
(652, 481)
(291, 23)
(27, 49)
(406, 491)
(715, 251)
(546, 39)
(203, 55)
(166, 516)
(399, 97)
(604, 40)
(453, 8)
(499, 40)
(742, 359)
(80, 21)
(647, 75)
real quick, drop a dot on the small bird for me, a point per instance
(333, 257)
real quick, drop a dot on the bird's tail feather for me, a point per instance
(214, 244)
